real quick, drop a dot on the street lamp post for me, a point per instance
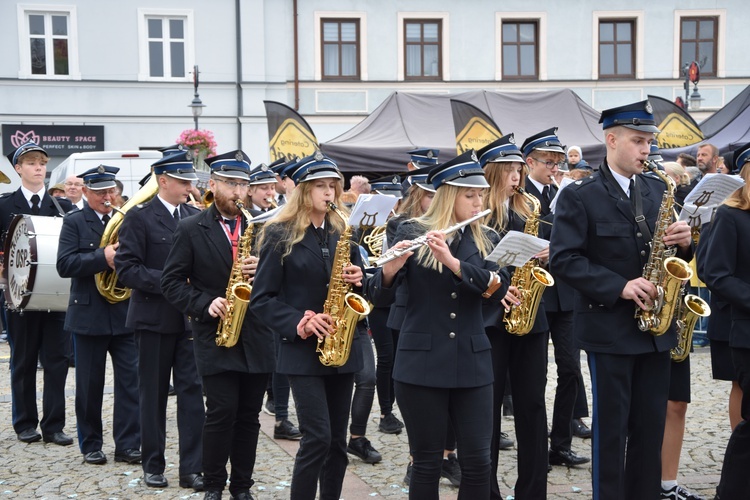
(692, 74)
(196, 106)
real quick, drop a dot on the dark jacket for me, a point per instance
(720, 320)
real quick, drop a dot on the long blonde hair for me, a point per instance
(294, 217)
(441, 215)
(497, 176)
(741, 197)
(411, 205)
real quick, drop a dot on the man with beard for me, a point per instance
(708, 158)
(194, 280)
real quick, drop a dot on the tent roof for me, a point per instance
(405, 121)
(717, 121)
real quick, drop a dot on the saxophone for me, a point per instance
(345, 307)
(238, 291)
(530, 279)
(690, 309)
(663, 269)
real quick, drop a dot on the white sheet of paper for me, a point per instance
(713, 189)
(566, 181)
(372, 209)
(697, 216)
(516, 248)
(266, 216)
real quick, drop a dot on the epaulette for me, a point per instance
(576, 185)
(6, 194)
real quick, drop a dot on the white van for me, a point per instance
(133, 165)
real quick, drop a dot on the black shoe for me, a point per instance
(130, 456)
(269, 407)
(451, 470)
(194, 481)
(59, 438)
(29, 436)
(390, 424)
(507, 406)
(245, 495)
(362, 448)
(285, 430)
(212, 495)
(580, 429)
(566, 457)
(155, 480)
(95, 458)
(407, 476)
(677, 492)
(504, 442)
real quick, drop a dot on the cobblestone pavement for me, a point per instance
(48, 471)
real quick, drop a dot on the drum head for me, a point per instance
(20, 251)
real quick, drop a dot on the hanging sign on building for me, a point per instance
(57, 140)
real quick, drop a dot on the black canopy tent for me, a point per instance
(405, 121)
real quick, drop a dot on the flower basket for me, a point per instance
(201, 143)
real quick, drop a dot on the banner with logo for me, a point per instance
(289, 134)
(57, 140)
(474, 128)
(677, 127)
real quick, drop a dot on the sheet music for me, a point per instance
(713, 189)
(697, 216)
(372, 210)
(516, 248)
(565, 182)
(266, 216)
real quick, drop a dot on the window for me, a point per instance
(165, 39)
(520, 47)
(340, 49)
(48, 42)
(617, 48)
(423, 49)
(698, 41)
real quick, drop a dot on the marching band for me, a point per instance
(219, 301)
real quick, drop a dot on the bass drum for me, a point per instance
(29, 259)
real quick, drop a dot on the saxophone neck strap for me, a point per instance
(636, 201)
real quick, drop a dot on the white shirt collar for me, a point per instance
(537, 184)
(623, 181)
(170, 208)
(27, 193)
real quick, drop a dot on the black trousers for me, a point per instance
(386, 340)
(524, 359)
(364, 387)
(159, 355)
(233, 402)
(37, 336)
(735, 481)
(568, 361)
(91, 363)
(629, 412)
(323, 411)
(426, 412)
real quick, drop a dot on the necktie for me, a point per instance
(545, 194)
(631, 191)
(176, 214)
(105, 219)
(322, 236)
(231, 223)
(35, 204)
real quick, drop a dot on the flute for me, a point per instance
(395, 253)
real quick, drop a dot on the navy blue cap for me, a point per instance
(463, 171)
(101, 177)
(638, 116)
(421, 157)
(178, 165)
(418, 177)
(501, 150)
(655, 154)
(389, 185)
(275, 165)
(173, 149)
(282, 169)
(543, 141)
(315, 166)
(235, 164)
(741, 156)
(262, 175)
(21, 150)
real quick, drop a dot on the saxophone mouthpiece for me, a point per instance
(332, 206)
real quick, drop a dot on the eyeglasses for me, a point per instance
(76, 184)
(233, 185)
(549, 164)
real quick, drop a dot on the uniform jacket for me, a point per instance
(728, 270)
(145, 239)
(14, 203)
(80, 257)
(202, 254)
(596, 249)
(398, 308)
(442, 341)
(720, 320)
(286, 288)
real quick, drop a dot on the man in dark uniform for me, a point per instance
(163, 336)
(544, 155)
(98, 326)
(599, 246)
(195, 280)
(35, 335)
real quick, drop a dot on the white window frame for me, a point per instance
(362, 17)
(444, 43)
(541, 19)
(638, 16)
(143, 53)
(721, 37)
(24, 44)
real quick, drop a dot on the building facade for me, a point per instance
(127, 66)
